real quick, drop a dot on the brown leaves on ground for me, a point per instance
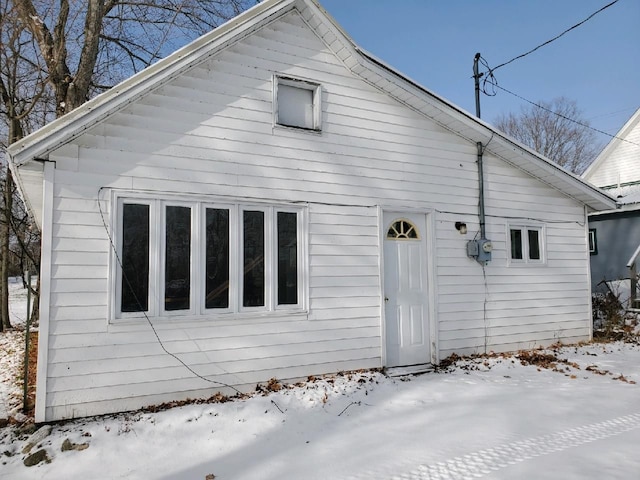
(543, 359)
(273, 385)
(547, 359)
(215, 398)
(31, 376)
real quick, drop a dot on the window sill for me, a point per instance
(290, 128)
(214, 319)
(522, 263)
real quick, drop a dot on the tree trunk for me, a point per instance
(4, 250)
(35, 308)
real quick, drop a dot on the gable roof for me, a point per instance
(611, 146)
(374, 71)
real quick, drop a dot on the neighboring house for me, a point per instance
(615, 234)
(272, 201)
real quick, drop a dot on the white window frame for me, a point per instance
(592, 242)
(301, 251)
(524, 228)
(233, 255)
(153, 253)
(192, 255)
(157, 248)
(316, 90)
(268, 234)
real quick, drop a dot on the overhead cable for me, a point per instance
(495, 85)
(554, 38)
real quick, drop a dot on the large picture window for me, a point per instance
(198, 258)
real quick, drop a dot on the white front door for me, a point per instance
(405, 289)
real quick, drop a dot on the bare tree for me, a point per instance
(57, 54)
(556, 130)
(22, 86)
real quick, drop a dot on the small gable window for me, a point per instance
(297, 103)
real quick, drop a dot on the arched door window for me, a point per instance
(403, 230)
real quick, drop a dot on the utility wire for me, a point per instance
(495, 85)
(554, 38)
(153, 328)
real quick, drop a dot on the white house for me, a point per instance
(615, 234)
(273, 201)
(617, 167)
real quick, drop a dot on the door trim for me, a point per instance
(431, 276)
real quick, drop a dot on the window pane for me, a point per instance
(534, 244)
(516, 244)
(135, 258)
(177, 273)
(287, 259)
(295, 106)
(217, 255)
(253, 259)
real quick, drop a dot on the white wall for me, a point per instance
(622, 161)
(210, 132)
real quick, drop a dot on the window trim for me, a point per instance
(116, 276)
(161, 271)
(267, 257)
(300, 265)
(233, 255)
(524, 229)
(592, 242)
(316, 90)
(197, 309)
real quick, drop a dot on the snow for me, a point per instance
(12, 349)
(487, 417)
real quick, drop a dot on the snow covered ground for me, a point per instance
(578, 417)
(12, 349)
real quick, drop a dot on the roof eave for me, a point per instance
(583, 192)
(60, 131)
(622, 133)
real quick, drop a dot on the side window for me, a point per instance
(253, 258)
(287, 263)
(516, 244)
(526, 244)
(177, 258)
(593, 242)
(297, 103)
(216, 293)
(134, 255)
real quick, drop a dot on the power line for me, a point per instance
(554, 38)
(495, 85)
(135, 297)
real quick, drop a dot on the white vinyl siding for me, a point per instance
(620, 165)
(209, 135)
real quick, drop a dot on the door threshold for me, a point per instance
(409, 370)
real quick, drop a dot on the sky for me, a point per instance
(434, 42)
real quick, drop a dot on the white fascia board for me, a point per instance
(64, 129)
(17, 180)
(562, 180)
